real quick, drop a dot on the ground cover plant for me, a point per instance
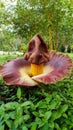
(48, 107)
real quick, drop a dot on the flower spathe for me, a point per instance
(18, 71)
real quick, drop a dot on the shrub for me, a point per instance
(50, 108)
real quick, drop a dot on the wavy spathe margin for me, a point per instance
(15, 72)
(60, 64)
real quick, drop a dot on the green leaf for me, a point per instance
(57, 126)
(63, 108)
(51, 124)
(41, 104)
(8, 122)
(19, 93)
(24, 128)
(19, 112)
(26, 117)
(53, 104)
(2, 110)
(9, 115)
(45, 127)
(35, 114)
(55, 115)
(1, 120)
(27, 103)
(48, 98)
(2, 127)
(64, 128)
(47, 115)
(11, 106)
(18, 121)
(34, 126)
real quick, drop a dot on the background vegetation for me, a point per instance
(20, 20)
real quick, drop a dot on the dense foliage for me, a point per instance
(51, 108)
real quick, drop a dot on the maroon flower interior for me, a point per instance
(37, 51)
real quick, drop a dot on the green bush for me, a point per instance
(50, 108)
(48, 113)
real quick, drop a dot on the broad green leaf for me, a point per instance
(45, 127)
(12, 114)
(27, 103)
(8, 122)
(11, 106)
(55, 115)
(51, 124)
(36, 114)
(47, 115)
(19, 112)
(64, 128)
(2, 110)
(19, 93)
(53, 104)
(57, 126)
(18, 121)
(9, 115)
(44, 118)
(1, 127)
(48, 98)
(34, 126)
(24, 128)
(41, 104)
(26, 117)
(63, 108)
(65, 115)
(1, 120)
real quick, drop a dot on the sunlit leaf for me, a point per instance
(63, 108)
(24, 128)
(19, 93)
(1, 127)
(34, 126)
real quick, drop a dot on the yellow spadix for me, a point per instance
(36, 69)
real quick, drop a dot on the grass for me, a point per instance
(71, 55)
(4, 58)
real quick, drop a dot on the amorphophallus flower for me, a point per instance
(38, 66)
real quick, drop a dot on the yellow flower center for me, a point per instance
(36, 69)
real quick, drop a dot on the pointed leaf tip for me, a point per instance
(19, 92)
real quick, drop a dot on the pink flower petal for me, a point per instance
(56, 69)
(16, 72)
